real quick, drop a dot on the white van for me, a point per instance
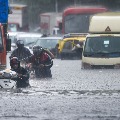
(102, 45)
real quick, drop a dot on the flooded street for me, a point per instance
(71, 94)
(35, 32)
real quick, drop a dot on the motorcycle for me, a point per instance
(38, 71)
(24, 64)
(6, 79)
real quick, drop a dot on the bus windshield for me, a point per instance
(99, 46)
(77, 23)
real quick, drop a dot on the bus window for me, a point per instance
(81, 23)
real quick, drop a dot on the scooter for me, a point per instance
(6, 79)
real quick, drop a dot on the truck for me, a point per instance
(5, 42)
(18, 20)
(102, 45)
(49, 23)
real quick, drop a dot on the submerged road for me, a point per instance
(71, 94)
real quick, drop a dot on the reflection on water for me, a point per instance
(82, 93)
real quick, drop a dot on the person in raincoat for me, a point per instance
(21, 52)
(41, 62)
(23, 75)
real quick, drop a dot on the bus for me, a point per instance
(76, 19)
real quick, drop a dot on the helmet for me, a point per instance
(14, 61)
(20, 43)
(37, 50)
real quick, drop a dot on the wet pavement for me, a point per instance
(71, 94)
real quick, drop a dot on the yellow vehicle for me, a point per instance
(71, 46)
(102, 45)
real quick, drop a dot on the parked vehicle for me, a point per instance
(18, 20)
(49, 23)
(102, 45)
(68, 48)
(49, 43)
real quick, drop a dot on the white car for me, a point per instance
(49, 43)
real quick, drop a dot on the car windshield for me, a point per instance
(47, 43)
(28, 40)
(102, 45)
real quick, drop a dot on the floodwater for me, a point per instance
(71, 94)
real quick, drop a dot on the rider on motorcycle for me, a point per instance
(21, 52)
(41, 62)
(23, 75)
